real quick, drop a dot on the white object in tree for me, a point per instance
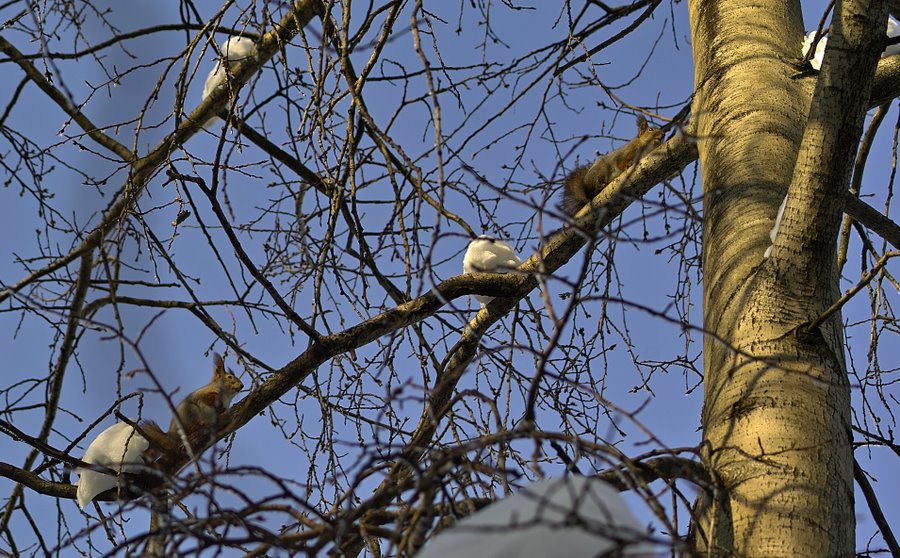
(816, 60)
(119, 448)
(234, 50)
(574, 517)
(489, 255)
(893, 30)
(774, 232)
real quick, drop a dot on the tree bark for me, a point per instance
(776, 412)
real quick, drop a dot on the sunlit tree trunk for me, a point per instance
(776, 413)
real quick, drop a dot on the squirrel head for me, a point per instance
(649, 135)
(229, 382)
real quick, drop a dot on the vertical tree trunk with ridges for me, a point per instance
(776, 413)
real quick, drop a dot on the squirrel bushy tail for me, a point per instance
(160, 442)
(585, 182)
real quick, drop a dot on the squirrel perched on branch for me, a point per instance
(198, 411)
(585, 182)
(126, 447)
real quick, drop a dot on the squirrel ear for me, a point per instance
(642, 124)
(218, 364)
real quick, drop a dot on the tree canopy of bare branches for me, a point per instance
(304, 209)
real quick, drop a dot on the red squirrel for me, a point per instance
(198, 411)
(585, 182)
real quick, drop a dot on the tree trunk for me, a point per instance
(776, 412)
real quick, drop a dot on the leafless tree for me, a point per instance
(314, 234)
